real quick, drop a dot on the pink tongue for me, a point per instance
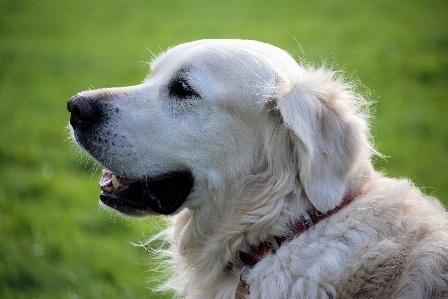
(110, 183)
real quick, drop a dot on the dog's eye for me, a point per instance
(181, 89)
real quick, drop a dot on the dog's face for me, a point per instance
(193, 124)
(197, 124)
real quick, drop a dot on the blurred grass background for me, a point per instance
(55, 242)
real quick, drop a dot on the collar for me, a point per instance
(258, 252)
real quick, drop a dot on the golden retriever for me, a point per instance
(266, 168)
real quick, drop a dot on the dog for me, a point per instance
(266, 167)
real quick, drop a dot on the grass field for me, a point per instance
(55, 242)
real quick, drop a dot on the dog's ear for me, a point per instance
(329, 135)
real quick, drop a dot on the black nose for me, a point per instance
(85, 111)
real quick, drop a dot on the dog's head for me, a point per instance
(212, 112)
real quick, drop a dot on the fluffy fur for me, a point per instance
(266, 140)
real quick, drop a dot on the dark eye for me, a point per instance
(179, 88)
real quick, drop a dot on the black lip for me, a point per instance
(163, 196)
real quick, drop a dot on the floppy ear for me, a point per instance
(328, 133)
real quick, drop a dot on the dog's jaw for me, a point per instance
(163, 195)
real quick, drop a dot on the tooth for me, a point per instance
(108, 189)
(115, 182)
(104, 171)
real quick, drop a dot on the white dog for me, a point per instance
(267, 165)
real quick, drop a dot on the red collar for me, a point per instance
(259, 251)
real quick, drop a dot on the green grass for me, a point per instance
(54, 241)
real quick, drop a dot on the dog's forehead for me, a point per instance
(206, 54)
(186, 56)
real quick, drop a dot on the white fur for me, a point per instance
(267, 140)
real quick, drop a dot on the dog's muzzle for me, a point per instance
(163, 194)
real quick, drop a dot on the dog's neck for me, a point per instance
(216, 254)
(311, 217)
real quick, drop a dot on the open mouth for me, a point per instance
(163, 195)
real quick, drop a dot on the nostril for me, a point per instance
(72, 108)
(82, 109)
